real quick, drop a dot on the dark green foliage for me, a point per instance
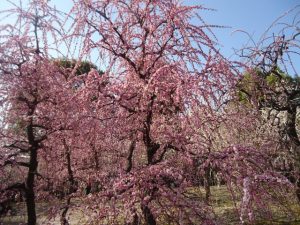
(263, 86)
(83, 68)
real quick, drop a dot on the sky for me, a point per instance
(251, 16)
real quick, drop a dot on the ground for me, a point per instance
(221, 202)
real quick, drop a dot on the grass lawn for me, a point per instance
(225, 209)
(221, 202)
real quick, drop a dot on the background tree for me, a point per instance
(277, 94)
(33, 90)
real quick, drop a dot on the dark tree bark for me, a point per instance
(207, 181)
(96, 157)
(130, 155)
(71, 180)
(33, 164)
(151, 146)
(63, 217)
(72, 185)
(149, 217)
(151, 149)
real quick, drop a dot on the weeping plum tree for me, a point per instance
(161, 67)
(165, 74)
(139, 129)
(34, 97)
(277, 95)
(43, 101)
(271, 84)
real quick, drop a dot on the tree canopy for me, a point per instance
(167, 114)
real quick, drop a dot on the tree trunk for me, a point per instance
(151, 149)
(207, 184)
(96, 157)
(71, 180)
(29, 187)
(32, 169)
(63, 217)
(71, 188)
(30, 197)
(135, 220)
(149, 217)
(298, 190)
